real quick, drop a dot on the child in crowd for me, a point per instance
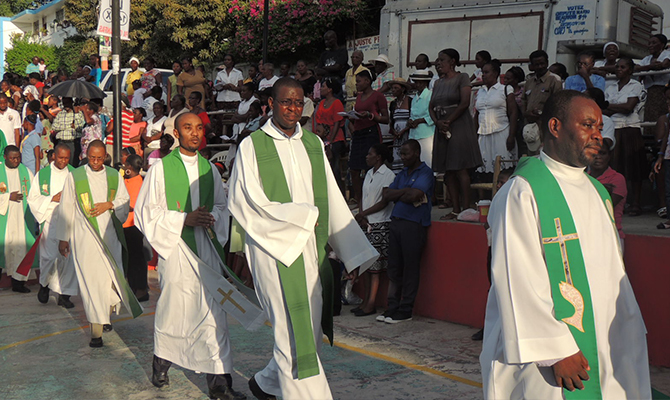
(614, 182)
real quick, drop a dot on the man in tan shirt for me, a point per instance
(539, 86)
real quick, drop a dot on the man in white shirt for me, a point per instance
(269, 77)
(10, 122)
(561, 313)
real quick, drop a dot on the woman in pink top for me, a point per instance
(614, 182)
(138, 128)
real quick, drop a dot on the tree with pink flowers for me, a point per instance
(296, 27)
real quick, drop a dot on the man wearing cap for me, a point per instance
(561, 314)
(135, 74)
(422, 127)
(334, 60)
(382, 67)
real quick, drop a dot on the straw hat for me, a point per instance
(382, 58)
(421, 75)
(401, 82)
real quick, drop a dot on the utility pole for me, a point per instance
(116, 65)
(266, 22)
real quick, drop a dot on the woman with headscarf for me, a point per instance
(133, 75)
(608, 65)
(625, 100)
(455, 149)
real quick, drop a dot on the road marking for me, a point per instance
(406, 364)
(9, 346)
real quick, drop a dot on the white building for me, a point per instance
(46, 24)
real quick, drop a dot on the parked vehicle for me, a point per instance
(106, 83)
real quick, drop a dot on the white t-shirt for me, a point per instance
(9, 121)
(266, 83)
(153, 128)
(242, 108)
(224, 78)
(492, 106)
(615, 96)
(148, 105)
(373, 185)
(608, 130)
(656, 80)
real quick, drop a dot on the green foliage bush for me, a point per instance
(75, 50)
(23, 51)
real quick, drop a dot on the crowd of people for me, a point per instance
(385, 137)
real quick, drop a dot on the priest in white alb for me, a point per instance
(56, 272)
(17, 224)
(94, 204)
(561, 320)
(291, 208)
(182, 211)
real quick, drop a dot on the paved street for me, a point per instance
(44, 354)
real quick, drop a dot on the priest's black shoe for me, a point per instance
(107, 328)
(478, 336)
(160, 379)
(64, 300)
(19, 286)
(225, 393)
(258, 392)
(43, 294)
(96, 342)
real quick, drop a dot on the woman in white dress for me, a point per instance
(496, 118)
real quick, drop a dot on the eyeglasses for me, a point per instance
(288, 102)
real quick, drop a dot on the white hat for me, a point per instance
(607, 44)
(382, 58)
(133, 59)
(421, 75)
(531, 135)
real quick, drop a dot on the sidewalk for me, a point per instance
(45, 354)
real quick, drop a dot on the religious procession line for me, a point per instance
(368, 353)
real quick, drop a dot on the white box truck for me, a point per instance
(511, 29)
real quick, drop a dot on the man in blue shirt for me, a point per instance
(33, 66)
(96, 72)
(411, 191)
(584, 78)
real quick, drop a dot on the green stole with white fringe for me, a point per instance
(293, 279)
(565, 264)
(29, 219)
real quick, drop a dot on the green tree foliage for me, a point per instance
(75, 50)
(23, 51)
(10, 7)
(164, 29)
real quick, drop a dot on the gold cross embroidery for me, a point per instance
(229, 296)
(561, 240)
(567, 289)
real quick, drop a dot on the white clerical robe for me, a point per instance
(15, 233)
(95, 273)
(276, 231)
(190, 328)
(520, 329)
(56, 272)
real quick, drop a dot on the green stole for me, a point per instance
(293, 281)
(565, 264)
(178, 197)
(45, 179)
(3, 143)
(24, 178)
(85, 201)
